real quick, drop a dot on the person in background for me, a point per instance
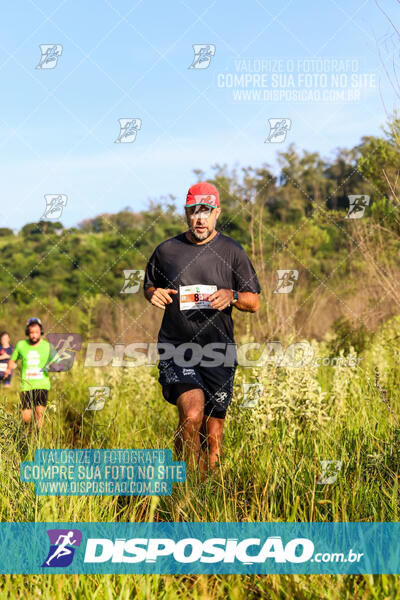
(36, 355)
(5, 352)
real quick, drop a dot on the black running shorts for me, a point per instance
(216, 383)
(33, 398)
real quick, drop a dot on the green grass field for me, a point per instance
(269, 471)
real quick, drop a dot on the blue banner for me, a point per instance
(192, 548)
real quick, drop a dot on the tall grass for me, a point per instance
(269, 471)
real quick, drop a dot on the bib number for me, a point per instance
(195, 297)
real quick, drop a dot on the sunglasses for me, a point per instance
(201, 211)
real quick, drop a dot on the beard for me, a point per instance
(200, 237)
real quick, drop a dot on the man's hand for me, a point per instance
(248, 301)
(221, 299)
(160, 297)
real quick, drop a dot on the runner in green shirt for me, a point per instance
(36, 355)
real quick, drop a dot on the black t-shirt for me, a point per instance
(221, 262)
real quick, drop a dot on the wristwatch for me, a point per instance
(235, 297)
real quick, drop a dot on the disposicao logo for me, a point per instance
(63, 543)
(189, 550)
(167, 552)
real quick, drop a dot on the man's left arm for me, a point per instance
(246, 284)
(247, 301)
(52, 361)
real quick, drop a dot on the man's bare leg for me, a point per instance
(26, 415)
(187, 438)
(39, 412)
(212, 432)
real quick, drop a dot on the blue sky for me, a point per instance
(130, 60)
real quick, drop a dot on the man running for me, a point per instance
(36, 355)
(196, 277)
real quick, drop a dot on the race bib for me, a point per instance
(3, 366)
(34, 373)
(195, 296)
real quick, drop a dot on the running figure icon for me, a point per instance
(62, 549)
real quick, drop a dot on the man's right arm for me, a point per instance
(153, 292)
(159, 297)
(149, 292)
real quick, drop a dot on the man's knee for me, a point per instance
(26, 416)
(192, 417)
(191, 408)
